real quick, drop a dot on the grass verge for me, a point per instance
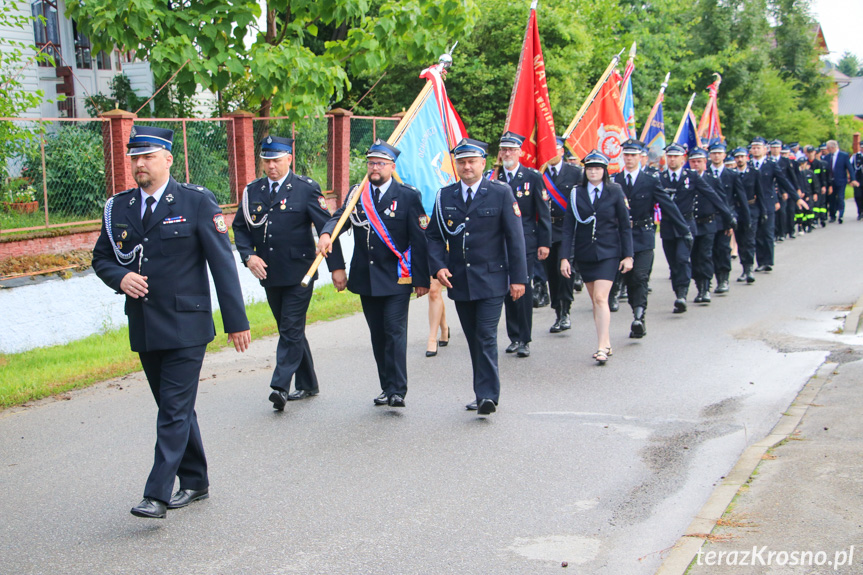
(46, 371)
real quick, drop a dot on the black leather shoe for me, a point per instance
(613, 303)
(185, 496)
(768, 268)
(445, 342)
(565, 322)
(699, 296)
(742, 277)
(279, 397)
(840, 220)
(679, 305)
(382, 399)
(485, 407)
(301, 394)
(471, 406)
(722, 287)
(578, 282)
(555, 327)
(151, 508)
(760, 269)
(431, 353)
(512, 348)
(396, 400)
(637, 329)
(523, 350)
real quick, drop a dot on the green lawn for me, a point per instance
(53, 370)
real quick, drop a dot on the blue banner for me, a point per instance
(425, 161)
(655, 138)
(688, 134)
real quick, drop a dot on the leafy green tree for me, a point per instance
(296, 57)
(850, 65)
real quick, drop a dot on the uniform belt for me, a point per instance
(704, 220)
(689, 216)
(646, 223)
(751, 202)
(557, 219)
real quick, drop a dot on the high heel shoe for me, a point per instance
(431, 353)
(444, 342)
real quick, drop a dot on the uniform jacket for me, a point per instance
(731, 188)
(186, 234)
(612, 237)
(840, 171)
(567, 178)
(646, 192)
(773, 178)
(529, 191)
(488, 253)
(789, 169)
(857, 164)
(374, 267)
(750, 179)
(285, 242)
(696, 199)
(819, 169)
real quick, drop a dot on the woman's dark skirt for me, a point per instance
(601, 270)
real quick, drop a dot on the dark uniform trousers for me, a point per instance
(560, 288)
(702, 256)
(173, 377)
(722, 253)
(287, 246)
(677, 254)
(170, 327)
(374, 275)
(764, 237)
(485, 256)
(637, 278)
(529, 190)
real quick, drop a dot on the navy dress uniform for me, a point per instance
(478, 236)
(274, 223)
(560, 180)
(773, 180)
(758, 206)
(708, 208)
(596, 229)
(529, 190)
(392, 223)
(643, 191)
(728, 184)
(171, 242)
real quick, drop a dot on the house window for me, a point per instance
(103, 60)
(83, 57)
(46, 29)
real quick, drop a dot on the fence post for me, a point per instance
(339, 152)
(115, 136)
(241, 152)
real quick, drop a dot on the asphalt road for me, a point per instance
(602, 467)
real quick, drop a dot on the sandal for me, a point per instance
(600, 356)
(608, 352)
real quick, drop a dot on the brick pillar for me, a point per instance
(855, 142)
(241, 152)
(339, 153)
(115, 135)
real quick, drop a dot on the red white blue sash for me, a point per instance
(374, 218)
(555, 194)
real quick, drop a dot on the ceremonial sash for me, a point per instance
(555, 194)
(377, 224)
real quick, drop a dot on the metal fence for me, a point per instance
(56, 173)
(364, 131)
(311, 143)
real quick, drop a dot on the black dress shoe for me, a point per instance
(768, 268)
(471, 406)
(613, 304)
(555, 327)
(565, 322)
(512, 348)
(636, 329)
(523, 350)
(301, 394)
(760, 268)
(151, 508)
(679, 305)
(840, 220)
(444, 342)
(185, 496)
(485, 407)
(396, 400)
(279, 397)
(382, 399)
(742, 277)
(431, 353)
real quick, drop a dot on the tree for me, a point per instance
(295, 58)
(850, 65)
(15, 100)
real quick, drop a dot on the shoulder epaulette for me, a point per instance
(125, 192)
(194, 187)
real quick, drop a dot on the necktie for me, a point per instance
(673, 177)
(469, 197)
(715, 173)
(274, 190)
(629, 181)
(148, 211)
(508, 177)
(377, 195)
(553, 172)
(595, 195)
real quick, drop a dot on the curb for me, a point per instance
(684, 551)
(852, 320)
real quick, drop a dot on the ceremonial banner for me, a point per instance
(431, 132)
(709, 128)
(653, 134)
(626, 94)
(602, 127)
(687, 131)
(529, 113)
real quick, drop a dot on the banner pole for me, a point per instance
(655, 107)
(683, 119)
(592, 96)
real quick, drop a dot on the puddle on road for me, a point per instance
(574, 549)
